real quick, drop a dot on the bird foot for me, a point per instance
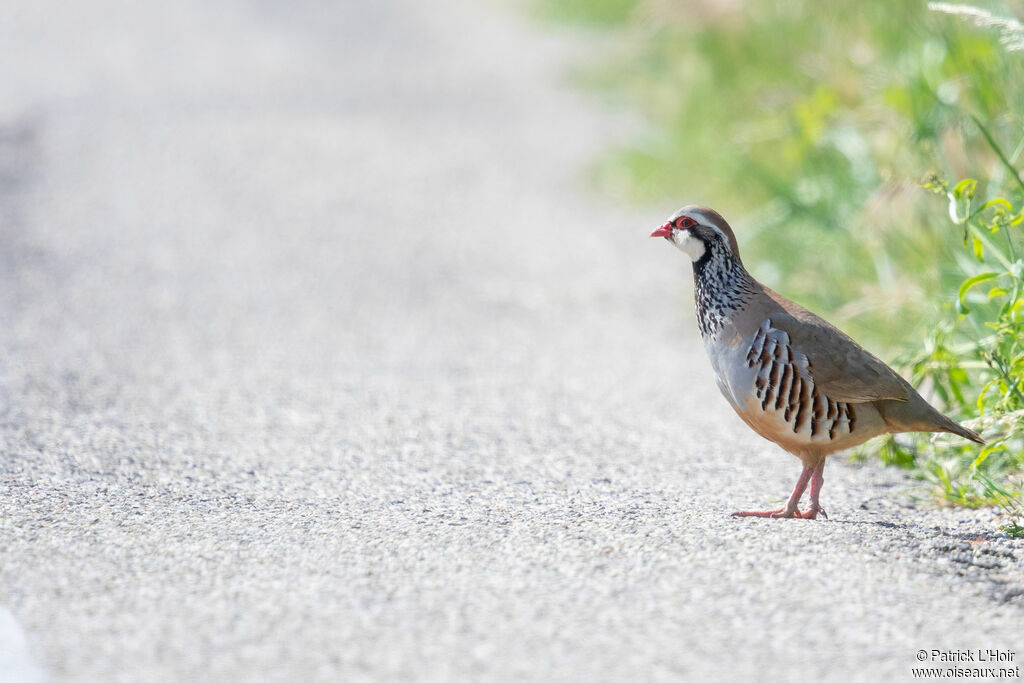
(810, 513)
(813, 512)
(771, 514)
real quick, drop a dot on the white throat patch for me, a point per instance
(689, 245)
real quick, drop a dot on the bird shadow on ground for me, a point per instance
(971, 554)
(969, 536)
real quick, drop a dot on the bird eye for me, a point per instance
(685, 222)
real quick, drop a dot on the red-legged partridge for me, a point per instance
(794, 378)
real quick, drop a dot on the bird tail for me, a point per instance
(958, 429)
(917, 415)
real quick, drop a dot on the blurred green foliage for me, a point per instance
(603, 13)
(810, 125)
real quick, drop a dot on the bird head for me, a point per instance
(698, 232)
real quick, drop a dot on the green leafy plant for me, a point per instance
(973, 360)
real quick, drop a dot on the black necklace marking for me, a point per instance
(721, 287)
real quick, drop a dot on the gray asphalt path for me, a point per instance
(318, 363)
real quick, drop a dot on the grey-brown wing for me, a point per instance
(841, 367)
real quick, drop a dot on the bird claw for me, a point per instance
(770, 514)
(809, 513)
(813, 512)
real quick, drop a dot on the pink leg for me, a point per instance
(817, 479)
(792, 506)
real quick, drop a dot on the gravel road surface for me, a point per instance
(318, 362)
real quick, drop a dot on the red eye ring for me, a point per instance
(685, 222)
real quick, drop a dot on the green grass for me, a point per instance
(811, 125)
